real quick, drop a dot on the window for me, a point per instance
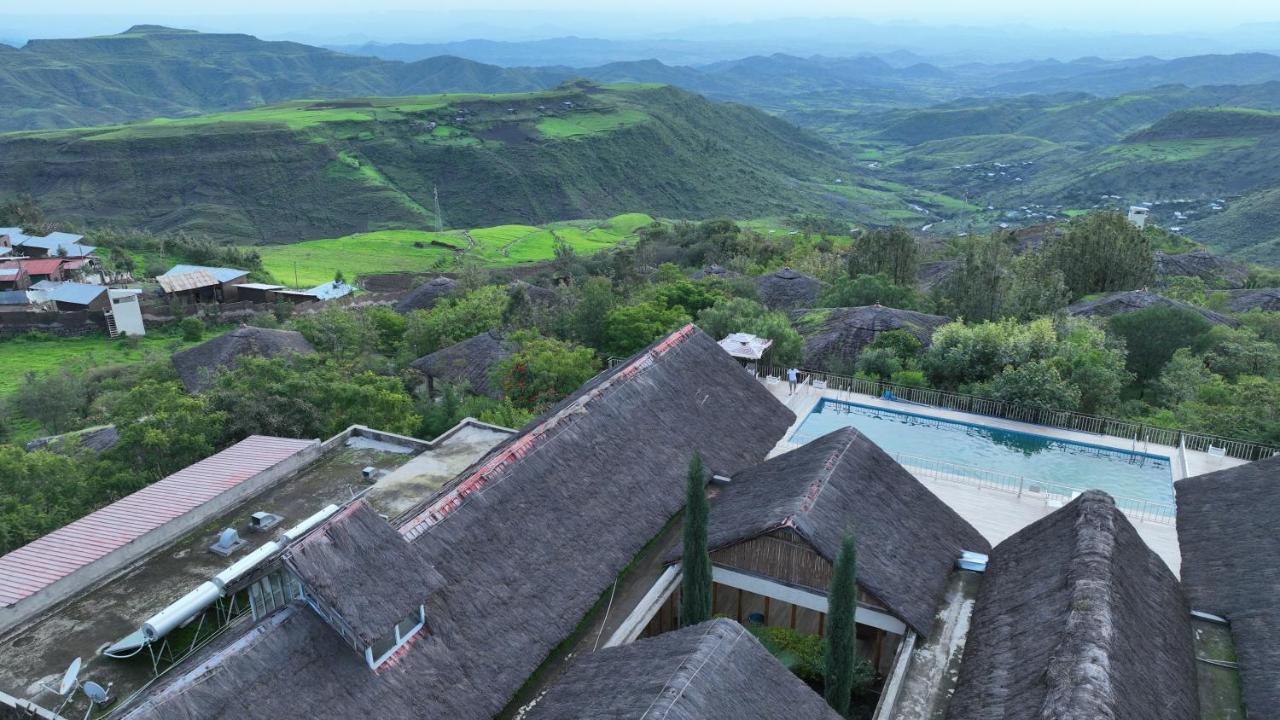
(403, 631)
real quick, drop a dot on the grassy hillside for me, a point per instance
(1248, 228)
(1206, 123)
(314, 261)
(309, 169)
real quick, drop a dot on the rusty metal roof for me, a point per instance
(186, 281)
(38, 564)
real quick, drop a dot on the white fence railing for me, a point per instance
(1065, 419)
(1135, 508)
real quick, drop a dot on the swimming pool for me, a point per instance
(969, 447)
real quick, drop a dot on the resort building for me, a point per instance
(468, 363)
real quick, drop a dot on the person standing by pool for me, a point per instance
(792, 374)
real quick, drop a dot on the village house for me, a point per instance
(14, 278)
(469, 363)
(55, 244)
(52, 269)
(193, 284)
(73, 296)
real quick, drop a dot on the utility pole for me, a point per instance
(295, 274)
(435, 193)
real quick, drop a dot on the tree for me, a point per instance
(55, 401)
(1152, 335)
(163, 429)
(892, 252)
(730, 315)
(192, 329)
(840, 649)
(1101, 253)
(595, 302)
(1034, 384)
(977, 290)
(543, 370)
(869, 290)
(1035, 288)
(629, 329)
(880, 363)
(693, 297)
(695, 564)
(453, 320)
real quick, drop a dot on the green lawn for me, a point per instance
(579, 124)
(315, 261)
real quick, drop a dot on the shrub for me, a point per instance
(192, 329)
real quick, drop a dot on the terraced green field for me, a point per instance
(315, 261)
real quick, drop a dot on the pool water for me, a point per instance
(1050, 461)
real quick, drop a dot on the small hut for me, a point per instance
(199, 366)
(1230, 544)
(834, 337)
(787, 289)
(468, 362)
(712, 671)
(426, 295)
(1123, 303)
(1078, 618)
(1267, 299)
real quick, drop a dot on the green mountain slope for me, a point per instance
(1204, 123)
(1249, 228)
(327, 168)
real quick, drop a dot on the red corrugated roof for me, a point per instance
(35, 266)
(35, 566)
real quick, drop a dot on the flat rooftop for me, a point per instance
(37, 654)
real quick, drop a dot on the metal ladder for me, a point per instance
(112, 330)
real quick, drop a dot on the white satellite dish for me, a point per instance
(69, 678)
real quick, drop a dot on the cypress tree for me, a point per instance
(695, 585)
(839, 645)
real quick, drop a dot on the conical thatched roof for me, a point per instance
(95, 439)
(527, 540)
(834, 337)
(908, 540)
(1229, 536)
(469, 362)
(787, 289)
(536, 294)
(1078, 618)
(1255, 299)
(426, 295)
(1213, 269)
(712, 671)
(1121, 303)
(199, 366)
(358, 549)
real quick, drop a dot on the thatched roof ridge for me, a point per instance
(1213, 269)
(426, 295)
(908, 540)
(1230, 543)
(469, 361)
(566, 506)
(1121, 303)
(1254, 299)
(787, 289)
(712, 671)
(354, 550)
(1078, 618)
(843, 333)
(199, 366)
(714, 271)
(98, 439)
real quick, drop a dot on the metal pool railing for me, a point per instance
(1137, 433)
(1135, 508)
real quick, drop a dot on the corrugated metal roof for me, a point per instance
(223, 274)
(33, 567)
(186, 281)
(36, 266)
(53, 241)
(259, 286)
(331, 290)
(17, 297)
(77, 293)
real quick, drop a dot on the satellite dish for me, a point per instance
(97, 694)
(69, 677)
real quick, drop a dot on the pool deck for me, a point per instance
(994, 513)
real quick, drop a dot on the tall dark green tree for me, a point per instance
(891, 252)
(839, 645)
(695, 585)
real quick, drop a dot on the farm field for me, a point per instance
(312, 262)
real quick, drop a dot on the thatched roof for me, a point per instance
(787, 289)
(713, 271)
(527, 540)
(199, 366)
(712, 671)
(1255, 299)
(1078, 618)
(932, 274)
(469, 361)
(357, 550)
(426, 295)
(1230, 542)
(1213, 269)
(1121, 303)
(95, 439)
(908, 540)
(535, 294)
(834, 337)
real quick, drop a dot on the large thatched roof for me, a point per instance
(527, 540)
(357, 549)
(469, 361)
(908, 540)
(426, 295)
(1213, 269)
(834, 337)
(1078, 618)
(712, 671)
(1254, 299)
(787, 289)
(199, 366)
(1229, 536)
(1120, 303)
(96, 439)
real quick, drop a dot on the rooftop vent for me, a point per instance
(228, 542)
(263, 521)
(369, 473)
(974, 561)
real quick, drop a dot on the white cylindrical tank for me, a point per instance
(244, 565)
(187, 607)
(301, 528)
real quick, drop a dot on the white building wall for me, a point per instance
(128, 312)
